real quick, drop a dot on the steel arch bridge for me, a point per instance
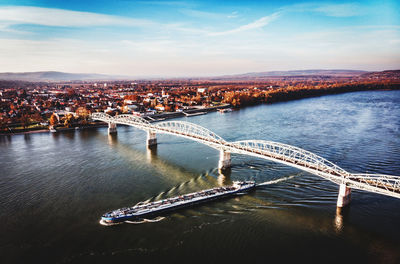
(272, 151)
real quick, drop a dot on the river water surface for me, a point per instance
(55, 187)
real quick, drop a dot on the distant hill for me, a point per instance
(392, 74)
(56, 76)
(258, 75)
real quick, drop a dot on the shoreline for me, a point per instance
(188, 113)
(150, 118)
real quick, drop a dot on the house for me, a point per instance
(201, 90)
(160, 107)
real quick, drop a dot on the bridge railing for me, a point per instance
(189, 129)
(102, 116)
(131, 119)
(291, 154)
(387, 182)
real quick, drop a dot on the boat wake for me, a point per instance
(166, 193)
(157, 219)
(102, 222)
(276, 181)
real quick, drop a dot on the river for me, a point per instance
(55, 187)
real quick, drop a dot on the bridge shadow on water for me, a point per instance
(183, 179)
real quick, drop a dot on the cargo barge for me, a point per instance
(151, 209)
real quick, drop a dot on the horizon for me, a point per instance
(180, 39)
(117, 77)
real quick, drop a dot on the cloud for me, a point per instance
(207, 15)
(259, 23)
(233, 14)
(332, 10)
(340, 10)
(167, 3)
(14, 15)
(201, 14)
(6, 28)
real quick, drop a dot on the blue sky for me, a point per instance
(197, 38)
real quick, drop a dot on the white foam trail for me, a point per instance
(276, 181)
(170, 190)
(159, 195)
(109, 224)
(158, 219)
(135, 222)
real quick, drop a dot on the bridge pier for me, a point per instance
(344, 196)
(151, 138)
(224, 160)
(112, 128)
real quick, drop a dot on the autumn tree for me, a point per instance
(2, 122)
(37, 117)
(53, 120)
(132, 97)
(25, 120)
(168, 108)
(153, 103)
(69, 118)
(83, 115)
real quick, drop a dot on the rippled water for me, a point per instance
(55, 187)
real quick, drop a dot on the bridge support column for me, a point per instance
(151, 138)
(224, 160)
(344, 195)
(112, 128)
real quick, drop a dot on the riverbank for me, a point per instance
(27, 131)
(150, 118)
(242, 99)
(270, 97)
(186, 113)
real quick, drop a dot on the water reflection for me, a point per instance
(5, 140)
(55, 135)
(88, 132)
(338, 220)
(151, 153)
(341, 213)
(224, 177)
(112, 139)
(27, 137)
(70, 134)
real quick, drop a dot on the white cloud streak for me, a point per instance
(63, 18)
(207, 15)
(332, 10)
(167, 3)
(340, 10)
(259, 23)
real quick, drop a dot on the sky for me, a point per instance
(197, 38)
